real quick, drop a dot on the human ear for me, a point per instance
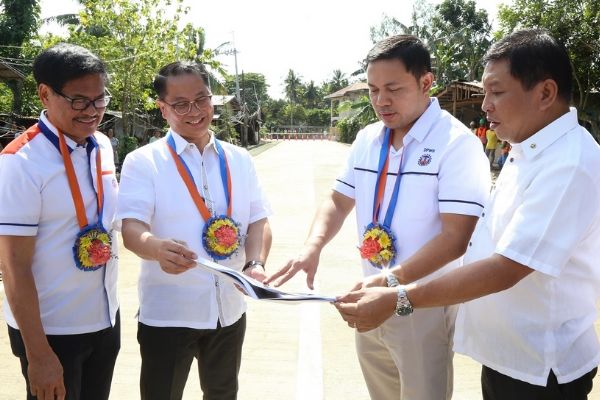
(547, 93)
(44, 94)
(426, 82)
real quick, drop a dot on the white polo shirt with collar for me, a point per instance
(543, 213)
(36, 201)
(152, 191)
(444, 170)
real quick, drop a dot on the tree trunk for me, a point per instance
(16, 87)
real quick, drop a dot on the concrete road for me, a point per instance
(301, 351)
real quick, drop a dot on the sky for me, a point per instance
(312, 37)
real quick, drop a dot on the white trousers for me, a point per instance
(410, 358)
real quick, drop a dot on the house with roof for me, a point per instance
(350, 93)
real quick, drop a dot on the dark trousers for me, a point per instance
(167, 355)
(496, 386)
(88, 360)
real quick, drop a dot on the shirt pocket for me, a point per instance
(418, 197)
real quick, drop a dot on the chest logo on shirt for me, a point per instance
(424, 160)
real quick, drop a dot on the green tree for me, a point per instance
(420, 24)
(18, 23)
(253, 87)
(460, 37)
(136, 38)
(312, 95)
(337, 81)
(273, 110)
(576, 24)
(293, 85)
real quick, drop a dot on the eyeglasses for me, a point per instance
(80, 103)
(184, 107)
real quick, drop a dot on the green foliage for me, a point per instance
(348, 129)
(274, 117)
(136, 38)
(5, 97)
(575, 23)
(18, 23)
(253, 88)
(317, 117)
(337, 81)
(292, 86)
(225, 129)
(456, 32)
(127, 145)
(460, 37)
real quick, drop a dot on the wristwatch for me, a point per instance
(391, 279)
(403, 306)
(251, 264)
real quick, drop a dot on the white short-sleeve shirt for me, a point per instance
(444, 171)
(543, 213)
(152, 191)
(36, 201)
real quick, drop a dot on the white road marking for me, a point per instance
(309, 383)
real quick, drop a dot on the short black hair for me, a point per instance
(175, 69)
(534, 56)
(64, 62)
(407, 48)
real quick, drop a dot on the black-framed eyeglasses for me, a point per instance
(80, 103)
(184, 107)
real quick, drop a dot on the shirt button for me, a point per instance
(533, 145)
(470, 244)
(511, 159)
(482, 215)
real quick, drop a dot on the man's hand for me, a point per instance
(367, 308)
(46, 377)
(307, 261)
(378, 280)
(173, 255)
(256, 272)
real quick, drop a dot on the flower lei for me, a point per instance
(92, 249)
(221, 237)
(378, 245)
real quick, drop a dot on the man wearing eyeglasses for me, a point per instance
(184, 196)
(58, 193)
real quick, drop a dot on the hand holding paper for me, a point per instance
(256, 289)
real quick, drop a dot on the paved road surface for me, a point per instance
(300, 352)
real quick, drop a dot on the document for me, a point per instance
(255, 289)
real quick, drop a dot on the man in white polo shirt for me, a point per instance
(187, 195)
(418, 180)
(536, 249)
(59, 257)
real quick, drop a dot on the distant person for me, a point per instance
(418, 179)
(504, 154)
(491, 145)
(58, 197)
(530, 288)
(114, 141)
(182, 197)
(481, 133)
(156, 135)
(473, 127)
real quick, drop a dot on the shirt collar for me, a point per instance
(181, 144)
(70, 142)
(549, 134)
(423, 124)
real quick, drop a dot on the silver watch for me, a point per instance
(403, 306)
(391, 279)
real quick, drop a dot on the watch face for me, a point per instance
(404, 310)
(403, 306)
